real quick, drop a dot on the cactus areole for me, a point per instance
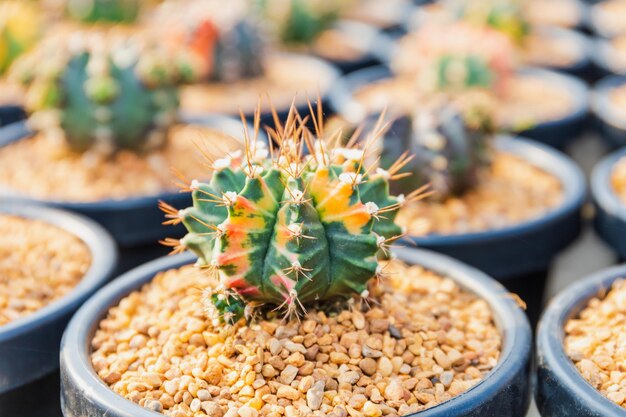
(287, 230)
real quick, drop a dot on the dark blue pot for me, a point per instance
(610, 121)
(370, 41)
(11, 114)
(602, 51)
(530, 246)
(504, 393)
(610, 220)
(133, 221)
(561, 391)
(556, 133)
(29, 346)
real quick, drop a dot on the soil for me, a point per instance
(609, 16)
(596, 342)
(45, 168)
(285, 77)
(559, 13)
(423, 341)
(511, 192)
(543, 50)
(39, 263)
(618, 179)
(383, 15)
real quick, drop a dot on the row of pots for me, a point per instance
(28, 346)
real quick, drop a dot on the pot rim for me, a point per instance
(601, 104)
(19, 130)
(550, 337)
(592, 14)
(510, 320)
(103, 261)
(601, 189)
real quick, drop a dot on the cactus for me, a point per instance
(301, 21)
(451, 148)
(227, 40)
(103, 92)
(457, 57)
(104, 11)
(505, 16)
(19, 30)
(289, 230)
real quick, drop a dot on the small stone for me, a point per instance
(195, 405)
(154, 405)
(371, 410)
(288, 374)
(339, 358)
(315, 395)
(368, 352)
(285, 391)
(357, 401)
(379, 325)
(349, 377)
(275, 346)
(385, 367)
(246, 411)
(446, 378)
(358, 320)
(212, 409)
(294, 347)
(394, 390)
(368, 366)
(442, 359)
(617, 397)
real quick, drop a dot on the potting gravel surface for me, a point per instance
(511, 192)
(526, 101)
(44, 167)
(596, 342)
(39, 263)
(422, 341)
(618, 178)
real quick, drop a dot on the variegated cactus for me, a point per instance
(20, 26)
(451, 147)
(228, 41)
(102, 91)
(289, 230)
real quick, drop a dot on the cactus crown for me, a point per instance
(19, 30)
(451, 148)
(456, 57)
(288, 230)
(301, 21)
(103, 92)
(227, 40)
(104, 11)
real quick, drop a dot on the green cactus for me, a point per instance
(105, 93)
(19, 30)
(289, 230)
(505, 16)
(462, 72)
(104, 11)
(450, 148)
(302, 21)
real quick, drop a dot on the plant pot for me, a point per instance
(528, 247)
(504, 392)
(133, 221)
(389, 16)
(609, 118)
(29, 345)
(561, 390)
(594, 20)
(11, 114)
(367, 40)
(581, 67)
(242, 96)
(555, 133)
(610, 220)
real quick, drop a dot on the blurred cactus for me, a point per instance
(505, 16)
(103, 91)
(227, 40)
(288, 230)
(104, 11)
(301, 21)
(20, 25)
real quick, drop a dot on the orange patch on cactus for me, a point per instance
(333, 202)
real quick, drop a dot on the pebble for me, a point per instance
(315, 395)
(368, 366)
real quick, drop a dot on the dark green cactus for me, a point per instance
(462, 72)
(450, 149)
(106, 93)
(288, 230)
(301, 21)
(104, 11)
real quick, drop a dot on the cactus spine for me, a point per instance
(104, 92)
(289, 230)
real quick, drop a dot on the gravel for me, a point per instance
(316, 366)
(39, 263)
